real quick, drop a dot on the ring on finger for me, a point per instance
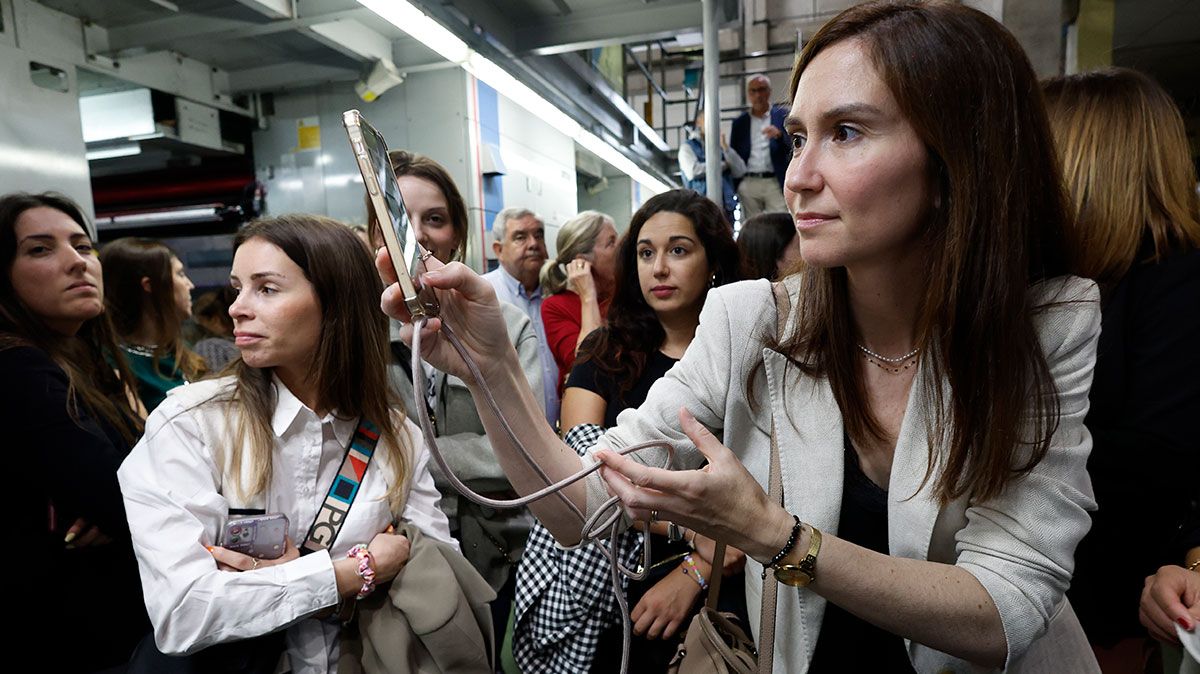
(254, 566)
(653, 516)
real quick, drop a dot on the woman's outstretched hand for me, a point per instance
(468, 303)
(717, 500)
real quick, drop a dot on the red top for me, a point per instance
(562, 318)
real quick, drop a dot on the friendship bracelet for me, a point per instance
(365, 570)
(690, 569)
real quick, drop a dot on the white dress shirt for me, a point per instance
(511, 290)
(178, 500)
(760, 146)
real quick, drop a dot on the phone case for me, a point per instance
(370, 151)
(261, 536)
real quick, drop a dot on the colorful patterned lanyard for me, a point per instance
(332, 515)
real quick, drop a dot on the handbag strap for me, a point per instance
(332, 514)
(770, 590)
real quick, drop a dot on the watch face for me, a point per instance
(792, 575)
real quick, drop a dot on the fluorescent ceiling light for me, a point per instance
(112, 152)
(433, 35)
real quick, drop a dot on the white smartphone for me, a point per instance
(408, 257)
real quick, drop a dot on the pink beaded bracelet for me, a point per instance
(365, 569)
(690, 569)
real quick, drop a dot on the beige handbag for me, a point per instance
(714, 643)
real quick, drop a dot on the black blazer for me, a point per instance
(1145, 460)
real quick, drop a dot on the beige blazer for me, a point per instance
(1019, 546)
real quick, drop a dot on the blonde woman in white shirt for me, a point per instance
(272, 438)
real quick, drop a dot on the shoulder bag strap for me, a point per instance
(329, 519)
(770, 590)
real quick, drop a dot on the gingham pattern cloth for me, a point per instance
(564, 598)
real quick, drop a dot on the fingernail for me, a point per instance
(69, 537)
(209, 548)
(1184, 624)
(70, 547)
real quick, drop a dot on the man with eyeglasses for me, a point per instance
(757, 136)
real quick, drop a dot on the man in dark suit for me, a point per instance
(757, 136)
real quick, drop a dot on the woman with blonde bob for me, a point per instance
(1131, 180)
(578, 283)
(271, 438)
(926, 393)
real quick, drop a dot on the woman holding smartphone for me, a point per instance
(926, 395)
(271, 438)
(69, 419)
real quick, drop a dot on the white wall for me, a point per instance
(41, 139)
(539, 165)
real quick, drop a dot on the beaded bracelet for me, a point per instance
(365, 570)
(690, 569)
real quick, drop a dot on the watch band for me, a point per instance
(805, 572)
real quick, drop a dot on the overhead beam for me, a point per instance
(272, 9)
(164, 33)
(632, 22)
(287, 76)
(354, 40)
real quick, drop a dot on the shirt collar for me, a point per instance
(288, 409)
(516, 287)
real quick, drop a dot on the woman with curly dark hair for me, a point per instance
(678, 247)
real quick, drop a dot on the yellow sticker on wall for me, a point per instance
(308, 133)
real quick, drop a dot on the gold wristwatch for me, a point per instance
(800, 575)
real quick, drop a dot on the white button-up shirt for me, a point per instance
(760, 146)
(178, 501)
(509, 289)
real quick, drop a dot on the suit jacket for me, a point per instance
(466, 447)
(1019, 546)
(781, 148)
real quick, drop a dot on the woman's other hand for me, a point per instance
(81, 535)
(716, 500)
(389, 552)
(1170, 597)
(664, 607)
(467, 302)
(579, 279)
(228, 560)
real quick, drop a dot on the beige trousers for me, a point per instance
(760, 195)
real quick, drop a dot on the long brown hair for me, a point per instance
(351, 356)
(104, 387)
(126, 262)
(632, 330)
(966, 87)
(1127, 167)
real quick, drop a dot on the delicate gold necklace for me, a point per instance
(891, 365)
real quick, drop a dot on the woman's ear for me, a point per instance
(146, 283)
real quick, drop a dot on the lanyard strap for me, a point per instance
(332, 515)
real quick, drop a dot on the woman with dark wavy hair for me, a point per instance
(678, 247)
(926, 390)
(69, 418)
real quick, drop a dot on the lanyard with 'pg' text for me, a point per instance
(329, 519)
